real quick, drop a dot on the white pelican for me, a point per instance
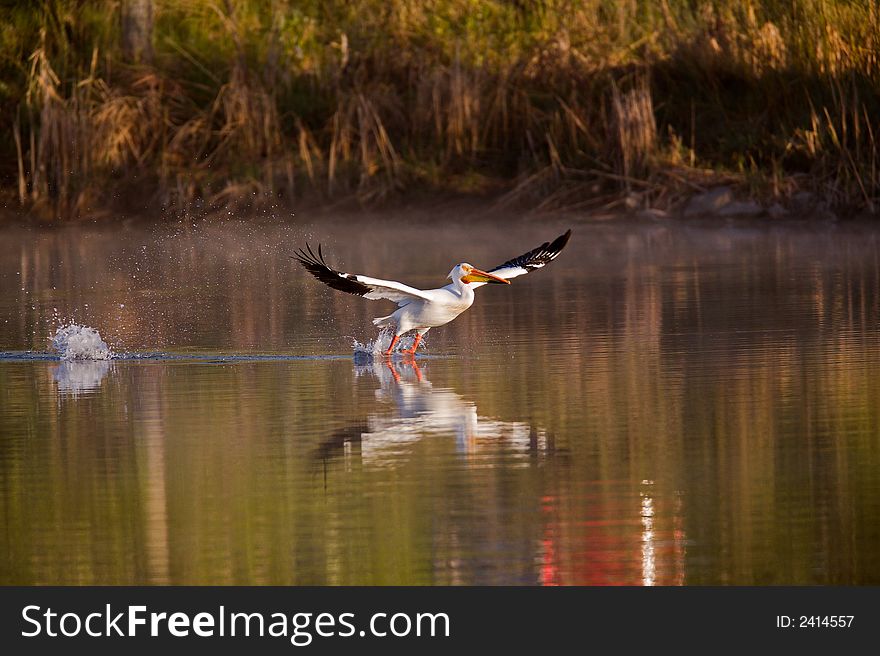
(423, 309)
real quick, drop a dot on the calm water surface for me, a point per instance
(663, 405)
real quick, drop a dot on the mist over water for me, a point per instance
(664, 404)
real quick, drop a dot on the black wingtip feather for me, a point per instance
(560, 242)
(538, 257)
(319, 268)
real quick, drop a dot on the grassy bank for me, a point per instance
(548, 104)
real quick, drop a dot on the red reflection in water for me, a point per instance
(622, 540)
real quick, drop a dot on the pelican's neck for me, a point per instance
(462, 289)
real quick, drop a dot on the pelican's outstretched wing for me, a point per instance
(371, 288)
(534, 259)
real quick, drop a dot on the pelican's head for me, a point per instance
(468, 273)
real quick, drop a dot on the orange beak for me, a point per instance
(481, 276)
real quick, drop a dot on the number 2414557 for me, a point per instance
(815, 621)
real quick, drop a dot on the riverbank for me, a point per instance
(719, 206)
(672, 108)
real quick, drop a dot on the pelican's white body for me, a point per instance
(423, 309)
(432, 308)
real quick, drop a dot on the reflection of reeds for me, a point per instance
(765, 406)
(569, 104)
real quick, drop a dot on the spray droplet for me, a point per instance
(75, 342)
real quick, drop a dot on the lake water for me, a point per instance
(665, 404)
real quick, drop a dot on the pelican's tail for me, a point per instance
(384, 322)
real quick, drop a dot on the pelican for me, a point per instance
(423, 309)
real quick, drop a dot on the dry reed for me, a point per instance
(572, 107)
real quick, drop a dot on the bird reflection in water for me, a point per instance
(419, 410)
(74, 378)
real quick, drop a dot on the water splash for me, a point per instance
(75, 342)
(374, 347)
(366, 352)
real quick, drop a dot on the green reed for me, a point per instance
(549, 104)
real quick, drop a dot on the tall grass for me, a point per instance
(551, 103)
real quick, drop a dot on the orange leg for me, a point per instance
(415, 345)
(391, 347)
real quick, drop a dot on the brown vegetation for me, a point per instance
(548, 104)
